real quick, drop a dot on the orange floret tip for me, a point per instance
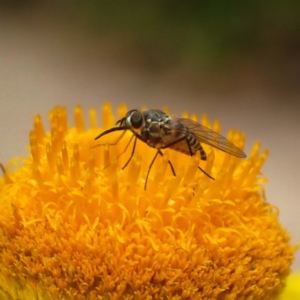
(74, 225)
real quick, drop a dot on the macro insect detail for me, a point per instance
(158, 130)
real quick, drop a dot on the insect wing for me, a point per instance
(209, 137)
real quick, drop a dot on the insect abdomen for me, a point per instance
(194, 143)
(202, 153)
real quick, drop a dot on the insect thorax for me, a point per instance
(155, 129)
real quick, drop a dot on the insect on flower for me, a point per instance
(160, 131)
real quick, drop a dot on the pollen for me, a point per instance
(75, 225)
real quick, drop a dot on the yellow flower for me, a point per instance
(292, 289)
(74, 225)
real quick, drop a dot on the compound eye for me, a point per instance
(136, 119)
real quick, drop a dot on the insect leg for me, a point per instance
(174, 142)
(206, 173)
(2, 169)
(150, 168)
(132, 152)
(190, 149)
(119, 138)
(126, 147)
(172, 168)
(191, 152)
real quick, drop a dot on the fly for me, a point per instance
(158, 130)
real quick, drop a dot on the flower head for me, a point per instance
(74, 225)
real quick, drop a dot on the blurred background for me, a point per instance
(239, 62)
